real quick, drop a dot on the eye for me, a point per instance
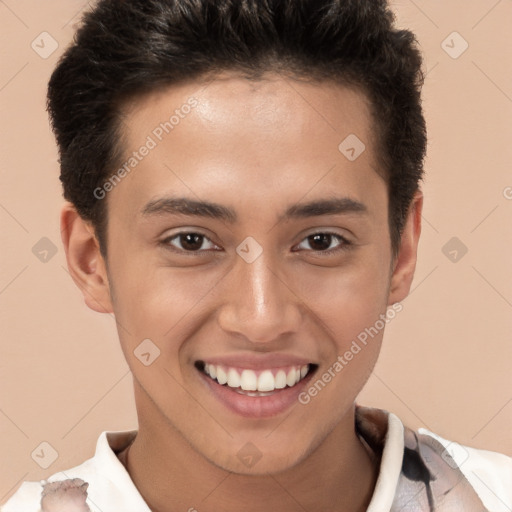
(189, 242)
(324, 242)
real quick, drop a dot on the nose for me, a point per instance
(259, 304)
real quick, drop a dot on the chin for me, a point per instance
(262, 464)
(261, 457)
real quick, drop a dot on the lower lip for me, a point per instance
(256, 406)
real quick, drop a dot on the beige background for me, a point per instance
(446, 359)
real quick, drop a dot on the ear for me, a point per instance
(85, 262)
(405, 261)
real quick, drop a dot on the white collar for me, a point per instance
(116, 489)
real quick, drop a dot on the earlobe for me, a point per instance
(405, 261)
(85, 262)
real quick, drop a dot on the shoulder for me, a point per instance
(63, 488)
(421, 470)
(488, 472)
(26, 499)
(98, 484)
(70, 493)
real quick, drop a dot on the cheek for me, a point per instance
(347, 299)
(154, 301)
(349, 305)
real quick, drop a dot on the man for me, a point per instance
(243, 195)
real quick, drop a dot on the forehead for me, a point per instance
(270, 138)
(231, 101)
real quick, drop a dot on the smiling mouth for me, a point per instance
(256, 383)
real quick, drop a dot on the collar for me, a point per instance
(381, 430)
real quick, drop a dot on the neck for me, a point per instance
(171, 476)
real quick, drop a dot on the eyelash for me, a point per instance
(343, 245)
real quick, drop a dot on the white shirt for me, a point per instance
(112, 490)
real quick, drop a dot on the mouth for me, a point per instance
(255, 382)
(261, 392)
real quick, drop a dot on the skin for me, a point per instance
(258, 148)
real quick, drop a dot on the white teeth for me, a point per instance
(290, 378)
(266, 381)
(249, 381)
(253, 393)
(233, 378)
(222, 376)
(280, 379)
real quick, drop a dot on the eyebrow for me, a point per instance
(192, 207)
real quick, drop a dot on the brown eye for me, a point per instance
(324, 242)
(320, 241)
(189, 242)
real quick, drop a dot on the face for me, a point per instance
(252, 254)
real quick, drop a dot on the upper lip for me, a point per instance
(257, 362)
